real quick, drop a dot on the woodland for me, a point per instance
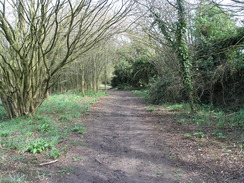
(182, 53)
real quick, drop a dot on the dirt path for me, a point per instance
(121, 145)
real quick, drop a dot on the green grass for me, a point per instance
(68, 105)
(3, 113)
(79, 129)
(20, 132)
(142, 94)
(77, 158)
(206, 115)
(44, 132)
(151, 109)
(13, 178)
(208, 118)
(176, 107)
(103, 85)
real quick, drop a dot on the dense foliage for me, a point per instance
(217, 57)
(136, 74)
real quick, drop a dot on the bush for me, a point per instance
(135, 75)
(122, 75)
(164, 89)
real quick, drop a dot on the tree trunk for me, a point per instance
(183, 54)
(38, 38)
(17, 104)
(106, 78)
(82, 81)
(178, 43)
(94, 79)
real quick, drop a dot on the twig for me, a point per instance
(47, 163)
(98, 161)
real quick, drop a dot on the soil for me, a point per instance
(127, 143)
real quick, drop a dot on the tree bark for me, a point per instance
(183, 54)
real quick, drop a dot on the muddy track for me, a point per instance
(121, 145)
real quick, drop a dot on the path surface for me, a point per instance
(121, 145)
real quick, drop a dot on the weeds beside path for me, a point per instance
(133, 143)
(121, 140)
(28, 141)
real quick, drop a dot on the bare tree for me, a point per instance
(39, 37)
(87, 72)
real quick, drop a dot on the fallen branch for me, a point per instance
(48, 163)
(98, 161)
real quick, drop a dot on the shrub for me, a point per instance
(164, 89)
(133, 75)
(39, 146)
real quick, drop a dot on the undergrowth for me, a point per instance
(206, 116)
(42, 134)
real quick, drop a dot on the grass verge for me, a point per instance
(206, 117)
(41, 137)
